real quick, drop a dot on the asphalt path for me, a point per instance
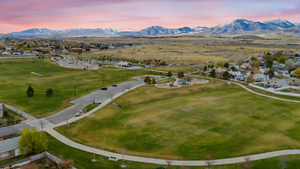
(101, 95)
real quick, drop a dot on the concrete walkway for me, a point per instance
(20, 112)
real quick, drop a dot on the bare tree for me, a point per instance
(124, 89)
(128, 86)
(248, 163)
(209, 161)
(283, 163)
(42, 123)
(169, 162)
(64, 163)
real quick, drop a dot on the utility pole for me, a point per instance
(123, 165)
(75, 90)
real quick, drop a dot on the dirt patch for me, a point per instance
(187, 109)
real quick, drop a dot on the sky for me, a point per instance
(18, 15)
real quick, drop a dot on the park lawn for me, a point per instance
(16, 76)
(168, 80)
(182, 68)
(190, 122)
(82, 160)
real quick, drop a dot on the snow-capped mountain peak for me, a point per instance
(283, 23)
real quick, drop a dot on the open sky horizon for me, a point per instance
(18, 15)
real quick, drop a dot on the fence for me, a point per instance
(33, 158)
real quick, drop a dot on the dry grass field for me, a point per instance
(181, 53)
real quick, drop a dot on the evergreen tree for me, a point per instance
(169, 74)
(225, 75)
(213, 73)
(30, 92)
(49, 93)
(153, 81)
(180, 74)
(147, 80)
(205, 68)
(212, 66)
(226, 65)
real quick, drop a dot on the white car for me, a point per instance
(97, 102)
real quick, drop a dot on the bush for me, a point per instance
(159, 167)
(5, 113)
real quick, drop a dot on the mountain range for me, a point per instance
(238, 26)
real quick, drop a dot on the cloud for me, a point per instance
(64, 14)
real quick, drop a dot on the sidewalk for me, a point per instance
(26, 115)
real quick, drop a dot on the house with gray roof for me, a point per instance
(1, 110)
(9, 148)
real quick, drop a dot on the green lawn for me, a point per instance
(16, 76)
(183, 68)
(82, 160)
(190, 122)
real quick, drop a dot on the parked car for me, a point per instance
(114, 85)
(104, 88)
(97, 102)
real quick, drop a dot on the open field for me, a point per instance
(190, 122)
(190, 53)
(16, 76)
(182, 68)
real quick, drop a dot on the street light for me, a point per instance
(75, 90)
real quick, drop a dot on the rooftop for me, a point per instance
(8, 145)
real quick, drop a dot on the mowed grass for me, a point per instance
(16, 76)
(182, 68)
(190, 122)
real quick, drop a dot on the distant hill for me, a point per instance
(238, 26)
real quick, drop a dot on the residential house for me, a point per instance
(274, 52)
(221, 69)
(9, 148)
(242, 75)
(124, 64)
(1, 110)
(27, 53)
(259, 77)
(277, 83)
(245, 66)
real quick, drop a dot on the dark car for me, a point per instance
(104, 88)
(114, 85)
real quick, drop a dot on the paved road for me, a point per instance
(88, 99)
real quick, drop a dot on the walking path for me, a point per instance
(20, 112)
(58, 120)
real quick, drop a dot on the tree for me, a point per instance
(209, 161)
(283, 163)
(250, 79)
(49, 93)
(239, 62)
(256, 63)
(226, 65)
(153, 81)
(205, 68)
(290, 83)
(213, 73)
(269, 64)
(147, 80)
(297, 72)
(290, 65)
(282, 59)
(225, 75)
(30, 92)
(32, 141)
(169, 74)
(220, 63)
(42, 124)
(180, 74)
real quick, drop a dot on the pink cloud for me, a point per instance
(18, 15)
